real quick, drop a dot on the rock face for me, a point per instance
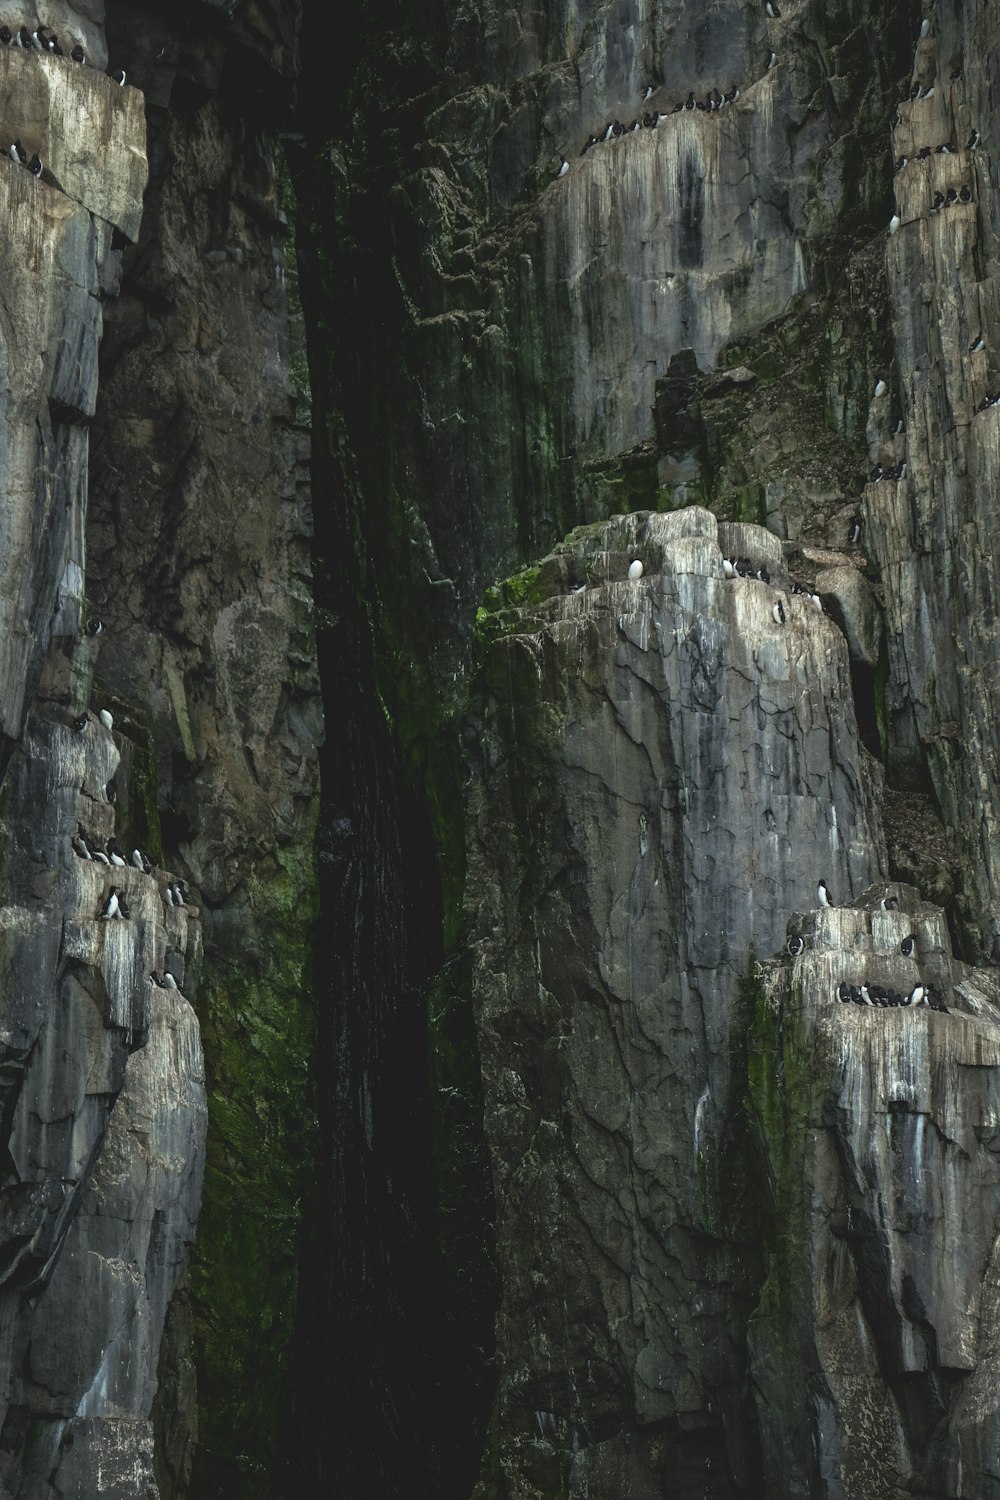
(727, 1206)
(155, 563)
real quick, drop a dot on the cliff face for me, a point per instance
(154, 481)
(725, 1203)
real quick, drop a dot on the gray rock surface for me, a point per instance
(665, 774)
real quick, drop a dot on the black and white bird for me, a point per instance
(100, 856)
(17, 153)
(888, 903)
(590, 141)
(648, 91)
(118, 76)
(965, 193)
(854, 530)
(893, 225)
(111, 908)
(6, 35)
(926, 93)
(938, 202)
(35, 165)
(973, 141)
(778, 612)
(918, 995)
(115, 854)
(908, 946)
(78, 55)
(772, 58)
(925, 27)
(169, 982)
(978, 344)
(608, 131)
(951, 196)
(823, 894)
(106, 719)
(178, 894)
(898, 427)
(138, 860)
(795, 946)
(564, 168)
(956, 75)
(25, 39)
(772, 10)
(945, 149)
(880, 388)
(843, 993)
(80, 724)
(94, 627)
(901, 162)
(733, 95)
(80, 847)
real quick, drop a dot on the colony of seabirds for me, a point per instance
(868, 992)
(43, 40)
(110, 853)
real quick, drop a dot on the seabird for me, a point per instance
(94, 627)
(854, 530)
(844, 993)
(608, 131)
(169, 982)
(25, 37)
(874, 475)
(106, 719)
(918, 995)
(563, 169)
(888, 903)
(123, 910)
(118, 76)
(986, 401)
(795, 946)
(78, 55)
(80, 847)
(591, 141)
(168, 895)
(635, 570)
(925, 152)
(898, 427)
(111, 908)
(951, 196)
(925, 27)
(973, 141)
(956, 74)
(115, 854)
(823, 894)
(648, 91)
(728, 568)
(945, 149)
(632, 127)
(101, 857)
(6, 35)
(965, 193)
(137, 860)
(772, 58)
(893, 224)
(900, 472)
(733, 95)
(927, 93)
(894, 121)
(689, 102)
(617, 128)
(866, 994)
(901, 162)
(763, 575)
(18, 154)
(80, 724)
(178, 894)
(938, 202)
(772, 11)
(978, 344)
(35, 165)
(908, 945)
(778, 612)
(880, 388)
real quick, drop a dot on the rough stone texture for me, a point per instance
(665, 775)
(162, 491)
(875, 1334)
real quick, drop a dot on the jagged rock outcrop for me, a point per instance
(665, 774)
(161, 491)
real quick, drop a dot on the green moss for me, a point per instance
(257, 1032)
